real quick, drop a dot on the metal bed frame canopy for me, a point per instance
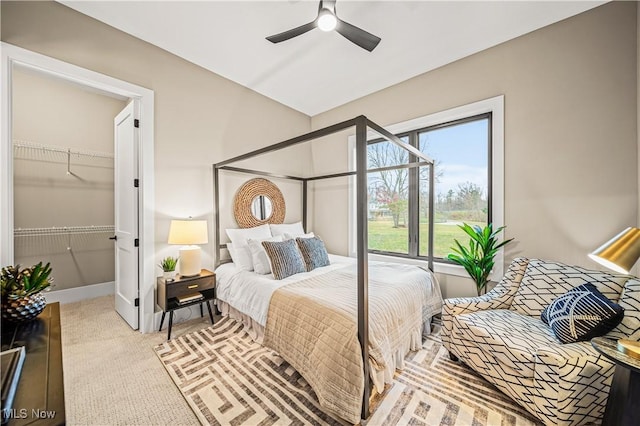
(362, 124)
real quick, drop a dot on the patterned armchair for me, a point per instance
(500, 335)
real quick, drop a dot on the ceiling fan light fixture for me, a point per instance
(327, 21)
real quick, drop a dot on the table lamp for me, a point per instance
(621, 252)
(188, 233)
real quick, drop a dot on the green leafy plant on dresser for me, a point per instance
(477, 256)
(21, 291)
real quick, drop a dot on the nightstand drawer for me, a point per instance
(168, 293)
(205, 283)
(189, 287)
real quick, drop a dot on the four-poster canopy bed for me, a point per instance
(362, 125)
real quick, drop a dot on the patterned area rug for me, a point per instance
(228, 379)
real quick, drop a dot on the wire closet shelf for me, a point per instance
(40, 152)
(27, 146)
(63, 230)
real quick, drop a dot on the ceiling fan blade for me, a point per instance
(357, 35)
(277, 38)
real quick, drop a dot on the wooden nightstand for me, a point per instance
(170, 294)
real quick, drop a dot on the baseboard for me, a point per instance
(76, 294)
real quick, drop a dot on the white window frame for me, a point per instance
(493, 105)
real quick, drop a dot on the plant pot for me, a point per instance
(23, 309)
(169, 275)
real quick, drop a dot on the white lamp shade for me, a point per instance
(188, 232)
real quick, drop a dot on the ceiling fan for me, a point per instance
(327, 20)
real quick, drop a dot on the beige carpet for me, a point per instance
(229, 379)
(111, 373)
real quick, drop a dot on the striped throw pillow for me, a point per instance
(581, 314)
(285, 258)
(313, 252)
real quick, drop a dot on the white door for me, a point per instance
(126, 214)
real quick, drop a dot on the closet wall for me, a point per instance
(63, 178)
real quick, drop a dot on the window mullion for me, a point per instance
(490, 168)
(414, 200)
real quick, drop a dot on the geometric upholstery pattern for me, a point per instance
(499, 297)
(509, 339)
(545, 281)
(564, 384)
(629, 328)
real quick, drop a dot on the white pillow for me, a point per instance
(261, 264)
(294, 229)
(288, 236)
(241, 257)
(239, 237)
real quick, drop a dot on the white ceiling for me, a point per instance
(318, 71)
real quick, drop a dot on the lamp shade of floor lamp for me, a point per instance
(621, 252)
(188, 233)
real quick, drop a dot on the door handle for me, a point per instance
(114, 238)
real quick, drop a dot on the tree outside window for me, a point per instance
(461, 153)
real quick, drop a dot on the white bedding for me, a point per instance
(250, 293)
(247, 296)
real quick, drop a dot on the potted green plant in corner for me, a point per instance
(477, 257)
(21, 290)
(168, 266)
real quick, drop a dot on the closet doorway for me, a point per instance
(69, 185)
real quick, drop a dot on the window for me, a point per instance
(467, 146)
(388, 198)
(461, 152)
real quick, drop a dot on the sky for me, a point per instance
(461, 153)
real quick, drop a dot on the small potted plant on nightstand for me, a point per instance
(22, 298)
(168, 266)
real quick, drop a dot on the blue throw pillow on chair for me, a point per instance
(581, 314)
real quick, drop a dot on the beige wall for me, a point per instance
(51, 112)
(571, 160)
(200, 117)
(570, 123)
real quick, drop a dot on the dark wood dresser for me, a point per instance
(39, 398)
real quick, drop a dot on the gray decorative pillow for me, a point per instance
(313, 252)
(285, 258)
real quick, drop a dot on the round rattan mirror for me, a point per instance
(258, 201)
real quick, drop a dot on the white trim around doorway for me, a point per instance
(17, 56)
